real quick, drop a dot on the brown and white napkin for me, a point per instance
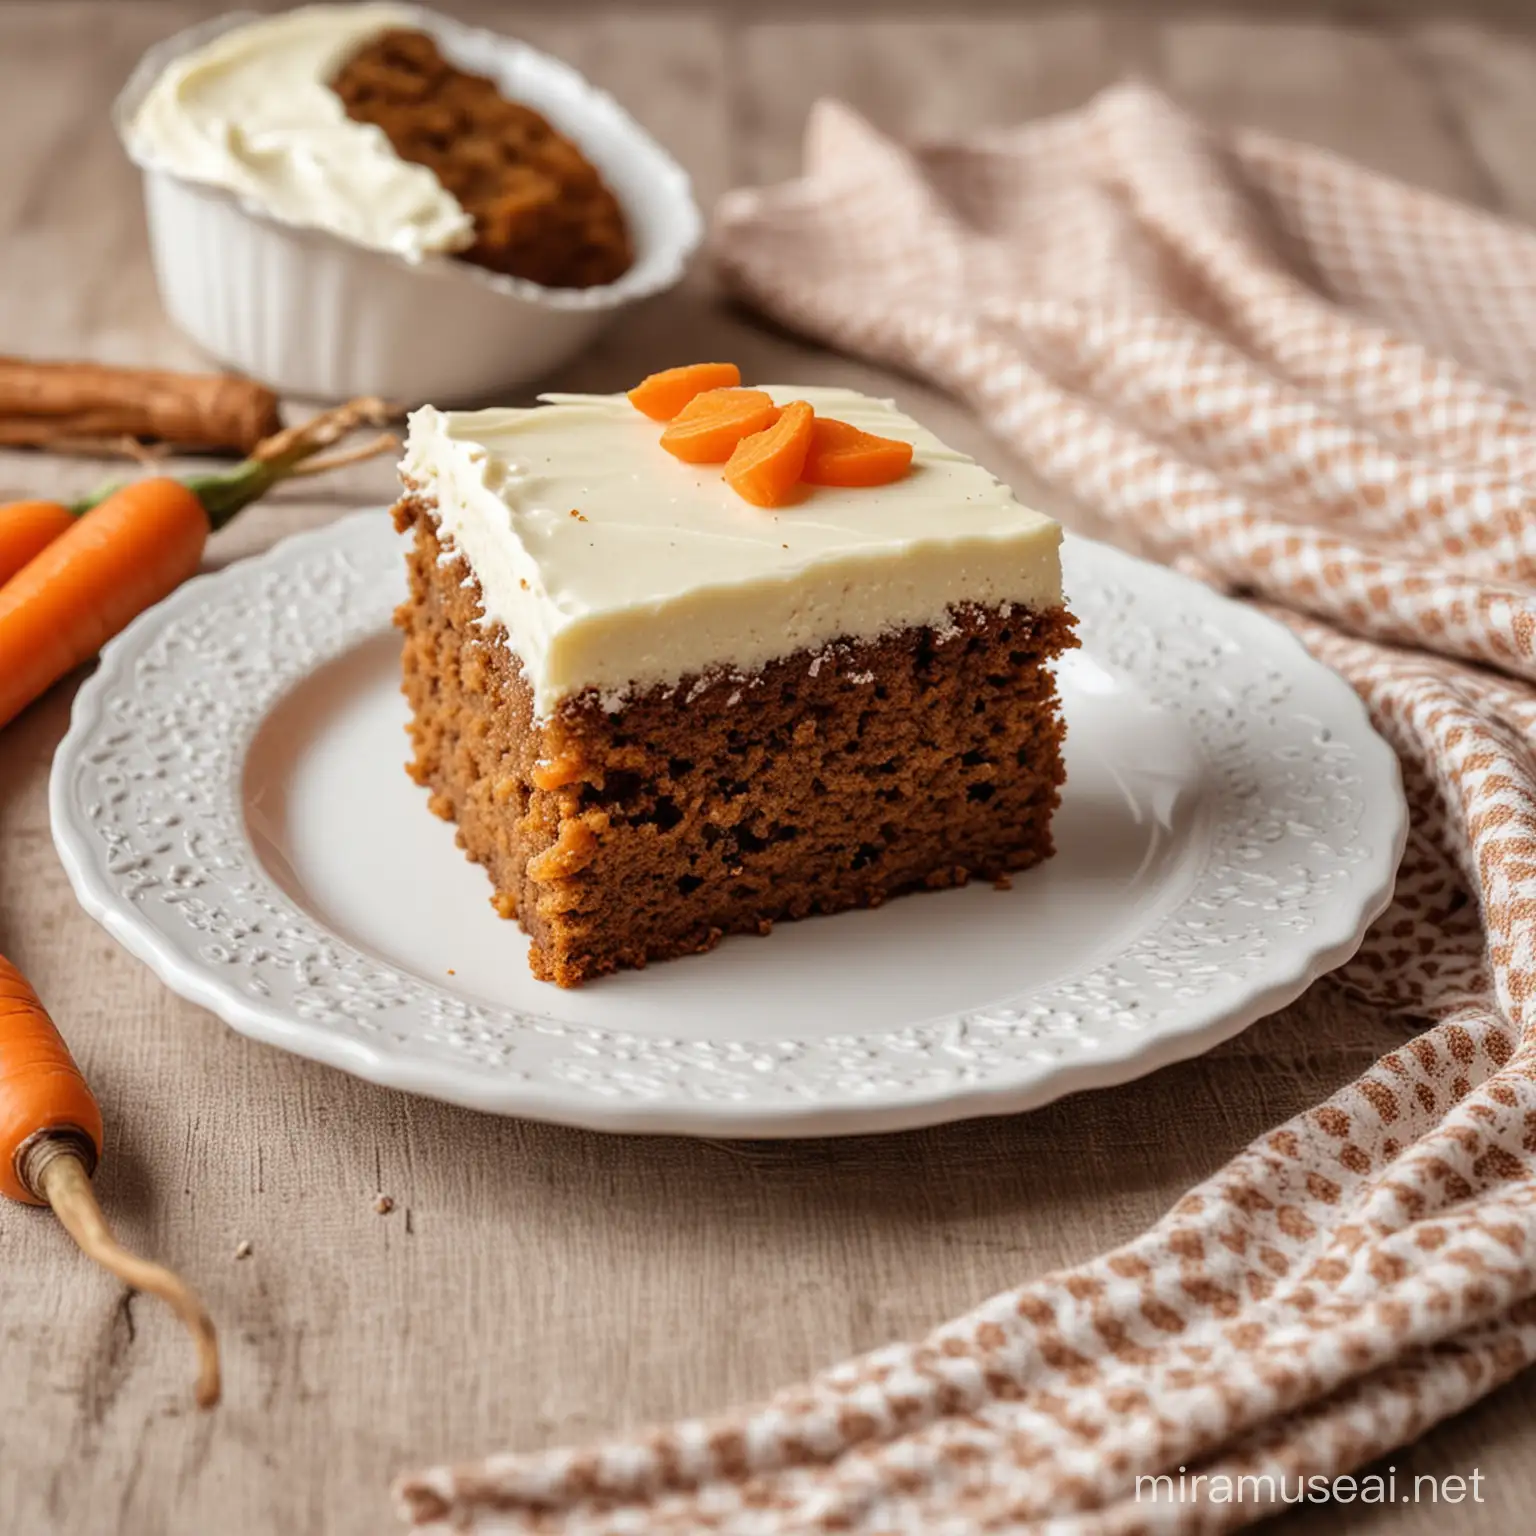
(1307, 384)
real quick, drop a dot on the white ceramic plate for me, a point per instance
(230, 802)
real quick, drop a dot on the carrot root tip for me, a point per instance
(67, 1186)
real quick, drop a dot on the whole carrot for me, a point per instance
(131, 548)
(29, 527)
(50, 1145)
(61, 404)
(140, 544)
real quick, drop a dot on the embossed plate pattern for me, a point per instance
(229, 803)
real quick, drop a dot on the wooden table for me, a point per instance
(535, 1285)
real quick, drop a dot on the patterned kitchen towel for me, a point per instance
(1307, 384)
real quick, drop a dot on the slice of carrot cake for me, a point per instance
(667, 700)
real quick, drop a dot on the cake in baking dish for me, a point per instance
(661, 714)
(362, 121)
(541, 209)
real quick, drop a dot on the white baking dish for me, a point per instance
(311, 314)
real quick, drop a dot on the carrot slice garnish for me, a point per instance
(708, 428)
(766, 468)
(842, 454)
(662, 395)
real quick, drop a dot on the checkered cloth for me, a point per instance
(1303, 382)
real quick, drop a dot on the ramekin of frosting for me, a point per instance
(294, 244)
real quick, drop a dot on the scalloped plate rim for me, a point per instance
(1205, 1028)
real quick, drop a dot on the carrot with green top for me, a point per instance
(765, 468)
(50, 1145)
(662, 395)
(708, 428)
(132, 546)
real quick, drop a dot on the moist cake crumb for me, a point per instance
(624, 829)
(541, 210)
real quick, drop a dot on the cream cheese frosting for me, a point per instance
(252, 112)
(614, 566)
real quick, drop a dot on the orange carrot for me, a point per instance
(26, 529)
(842, 454)
(50, 1144)
(708, 428)
(765, 468)
(662, 395)
(41, 1090)
(139, 545)
(130, 548)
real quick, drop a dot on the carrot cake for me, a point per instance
(666, 702)
(348, 118)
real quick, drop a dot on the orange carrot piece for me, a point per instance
(662, 395)
(765, 468)
(41, 1089)
(842, 454)
(27, 528)
(133, 549)
(50, 1145)
(708, 428)
(131, 545)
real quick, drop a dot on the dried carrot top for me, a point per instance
(768, 453)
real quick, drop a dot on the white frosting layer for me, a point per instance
(668, 573)
(252, 112)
